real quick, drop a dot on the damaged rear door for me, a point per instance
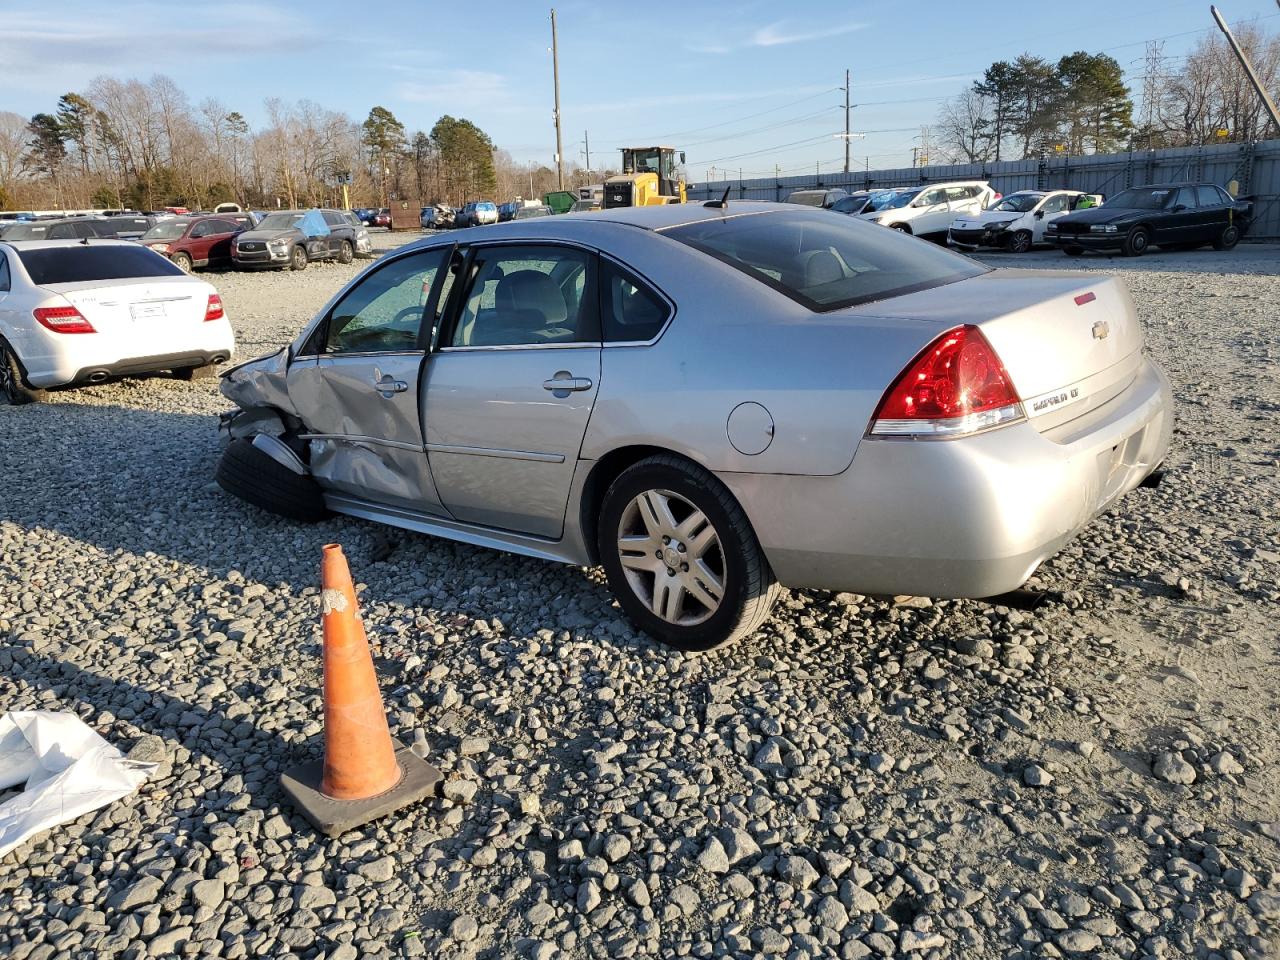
(355, 384)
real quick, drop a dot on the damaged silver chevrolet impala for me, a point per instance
(711, 401)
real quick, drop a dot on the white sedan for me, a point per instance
(75, 312)
(1018, 220)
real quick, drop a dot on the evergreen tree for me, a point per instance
(1097, 112)
(999, 88)
(466, 156)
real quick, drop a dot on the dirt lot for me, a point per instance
(1095, 777)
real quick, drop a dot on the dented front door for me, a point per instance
(356, 386)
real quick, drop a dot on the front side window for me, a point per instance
(825, 262)
(1056, 204)
(204, 228)
(167, 230)
(527, 296)
(632, 313)
(383, 313)
(1141, 198)
(932, 197)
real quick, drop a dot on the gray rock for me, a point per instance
(142, 892)
(1171, 768)
(831, 913)
(1265, 904)
(797, 871)
(615, 847)
(1078, 941)
(738, 845)
(464, 928)
(1036, 776)
(459, 791)
(713, 858)
(209, 893)
(379, 871)
(588, 895)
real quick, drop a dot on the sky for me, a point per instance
(750, 86)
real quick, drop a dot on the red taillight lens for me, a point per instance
(214, 310)
(956, 385)
(62, 319)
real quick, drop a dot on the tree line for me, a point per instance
(1028, 107)
(130, 144)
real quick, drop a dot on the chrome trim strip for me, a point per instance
(352, 438)
(578, 344)
(495, 452)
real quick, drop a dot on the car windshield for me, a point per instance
(891, 199)
(280, 221)
(1018, 203)
(825, 262)
(809, 198)
(1141, 198)
(167, 230)
(25, 231)
(76, 263)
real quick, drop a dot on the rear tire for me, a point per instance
(900, 227)
(298, 259)
(1228, 238)
(1137, 242)
(246, 472)
(696, 524)
(13, 380)
(1020, 242)
(346, 253)
(182, 262)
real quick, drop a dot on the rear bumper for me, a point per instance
(972, 517)
(61, 360)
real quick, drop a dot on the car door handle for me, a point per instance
(562, 382)
(389, 385)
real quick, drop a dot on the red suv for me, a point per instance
(203, 241)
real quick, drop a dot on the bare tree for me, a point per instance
(964, 128)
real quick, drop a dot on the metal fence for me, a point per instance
(1254, 166)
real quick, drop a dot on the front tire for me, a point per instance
(182, 262)
(1137, 242)
(681, 556)
(248, 473)
(1020, 242)
(1073, 251)
(1228, 238)
(298, 259)
(13, 380)
(901, 228)
(346, 253)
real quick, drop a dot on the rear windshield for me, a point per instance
(25, 231)
(77, 263)
(826, 262)
(280, 221)
(810, 198)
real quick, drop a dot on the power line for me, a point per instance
(750, 116)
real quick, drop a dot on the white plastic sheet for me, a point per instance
(69, 770)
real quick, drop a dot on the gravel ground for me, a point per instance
(865, 777)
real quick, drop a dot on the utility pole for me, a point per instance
(846, 121)
(1268, 104)
(586, 143)
(555, 75)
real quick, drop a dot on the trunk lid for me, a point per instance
(158, 313)
(1071, 341)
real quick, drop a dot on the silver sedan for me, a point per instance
(711, 401)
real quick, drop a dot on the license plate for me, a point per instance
(147, 311)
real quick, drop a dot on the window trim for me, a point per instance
(626, 269)
(453, 310)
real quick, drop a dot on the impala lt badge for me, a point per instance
(1101, 330)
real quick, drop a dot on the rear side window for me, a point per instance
(104, 228)
(632, 312)
(1186, 197)
(76, 264)
(334, 219)
(825, 262)
(65, 231)
(1209, 196)
(809, 198)
(4, 272)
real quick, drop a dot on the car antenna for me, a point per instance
(722, 202)
(84, 242)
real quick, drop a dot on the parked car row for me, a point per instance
(442, 217)
(970, 215)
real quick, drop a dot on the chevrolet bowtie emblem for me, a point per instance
(1101, 330)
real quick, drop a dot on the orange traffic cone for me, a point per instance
(363, 775)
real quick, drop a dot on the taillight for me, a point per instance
(214, 310)
(62, 319)
(955, 386)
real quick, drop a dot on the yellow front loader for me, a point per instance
(648, 178)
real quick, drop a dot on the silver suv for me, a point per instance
(293, 238)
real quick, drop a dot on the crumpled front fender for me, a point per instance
(260, 383)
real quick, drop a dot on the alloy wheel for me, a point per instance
(672, 557)
(7, 384)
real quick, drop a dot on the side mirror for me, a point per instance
(1039, 214)
(1179, 207)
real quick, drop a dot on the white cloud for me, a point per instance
(776, 35)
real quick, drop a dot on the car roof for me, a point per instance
(42, 244)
